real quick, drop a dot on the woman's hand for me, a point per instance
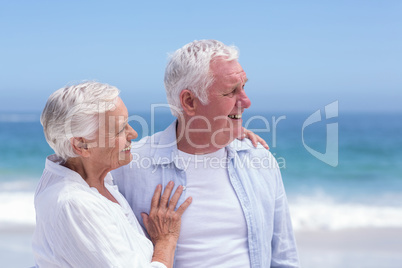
(163, 222)
(254, 138)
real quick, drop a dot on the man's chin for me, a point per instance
(224, 141)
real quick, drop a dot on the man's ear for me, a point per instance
(80, 146)
(187, 101)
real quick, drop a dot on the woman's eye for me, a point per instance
(121, 131)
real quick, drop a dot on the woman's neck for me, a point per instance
(94, 176)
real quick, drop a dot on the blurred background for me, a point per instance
(299, 56)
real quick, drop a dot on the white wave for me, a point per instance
(20, 185)
(17, 209)
(321, 212)
(317, 212)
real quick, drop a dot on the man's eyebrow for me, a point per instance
(238, 84)
(245, 81)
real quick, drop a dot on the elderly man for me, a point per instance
(239, 216)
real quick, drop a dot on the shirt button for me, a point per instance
(184, 188)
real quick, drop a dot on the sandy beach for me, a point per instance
(380, 248)
(15, 249)
(371, 247)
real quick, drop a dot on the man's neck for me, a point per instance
(194, 142)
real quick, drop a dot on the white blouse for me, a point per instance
(78, 227)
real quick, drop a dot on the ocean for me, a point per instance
(340, 172)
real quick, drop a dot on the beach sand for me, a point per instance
(370, 247)
(15, 248)
(379, 248)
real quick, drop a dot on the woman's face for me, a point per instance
(113, 141)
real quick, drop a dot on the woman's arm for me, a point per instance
(163, 222)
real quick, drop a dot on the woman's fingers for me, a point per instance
(255, 139)
(145, 219)
(175, 198)
(161, 204)
(166, 194)
(163, 222)
(262, 141)
(156, 197)
(184, 206)
(252, 137)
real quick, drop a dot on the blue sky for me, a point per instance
(298, 55)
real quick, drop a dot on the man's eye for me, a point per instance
(230, 94)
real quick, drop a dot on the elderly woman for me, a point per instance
(81, 218)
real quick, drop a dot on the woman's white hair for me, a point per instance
(189, 68)
(74, 111)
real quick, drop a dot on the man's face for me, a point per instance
(227, 101)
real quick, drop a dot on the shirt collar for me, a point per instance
(54, 164)
(238, 145)
(166, 150)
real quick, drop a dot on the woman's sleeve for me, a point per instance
(86, 234)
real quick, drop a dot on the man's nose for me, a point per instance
(243, 101)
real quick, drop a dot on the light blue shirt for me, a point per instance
(254, 175)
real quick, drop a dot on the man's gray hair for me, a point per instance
(74, 111)
(189, 68)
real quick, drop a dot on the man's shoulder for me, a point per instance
(246, 147)
(144, 145)
(147, 146)
(259, 156)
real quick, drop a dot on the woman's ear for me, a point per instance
(188, 103)
(80, 146)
